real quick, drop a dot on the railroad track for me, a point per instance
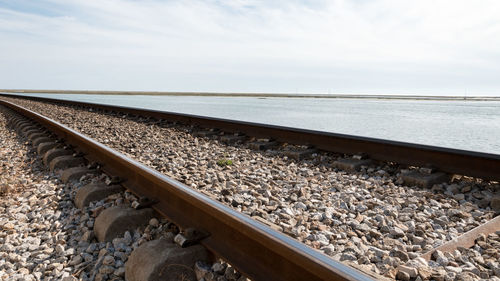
(290, 260)
(254, 249)
(475, 164)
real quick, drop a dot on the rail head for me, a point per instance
(253, 248)
(476, 164)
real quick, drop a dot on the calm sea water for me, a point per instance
(469, 125)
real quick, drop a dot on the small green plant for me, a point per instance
(224, 162)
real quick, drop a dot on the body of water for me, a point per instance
(468, 125)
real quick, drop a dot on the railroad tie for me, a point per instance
(36, 134)
(205, 134)
(424, 180)
(352, 164)
(65, 161)
(30, 130)
(94, 192)
(26, 128)
(300, 154)
(262, 144)
(115, 221)
(45, 146)
(36, 142)
(53, 153)
(232, 139)
(162, 259)
(75, 173)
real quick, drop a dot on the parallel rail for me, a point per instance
(454, 161)
(251, 247)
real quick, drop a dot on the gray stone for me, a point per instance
(76, 260)
(403, 256)
(219, 267)
(348, 256)
(201, 269)
(411, 271)
(401, 275)
(120, 272)
(397, 232)
(108, 260)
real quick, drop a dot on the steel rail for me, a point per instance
(454, 161)
(251, 247)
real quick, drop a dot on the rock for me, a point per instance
(119, 271)
(108, 260)
(453, 269)
(201, 269)
(425, 273)
(76, 260)
(403, 256)
(329, 250)
(59, 249)
(466, 276)
(438, 274)
(300, 205)
(219, 268)
(401, 275)
(106, 269)
(443, 261)
(411, 271)
(349, 256)
(231, 274)
(87, 236)
(154, 222)
(450, 276)
(495, 203)
(437, 254)
(397, 232)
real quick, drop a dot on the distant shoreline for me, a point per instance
(259, 95)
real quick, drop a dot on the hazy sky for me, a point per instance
(361, 46)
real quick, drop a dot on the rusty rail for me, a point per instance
(455, 161)
(251, 247)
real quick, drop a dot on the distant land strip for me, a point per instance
(257, 95)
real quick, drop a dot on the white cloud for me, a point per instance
(378, 46)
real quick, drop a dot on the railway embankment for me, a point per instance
(367, 217)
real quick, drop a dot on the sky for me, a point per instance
(355, 47)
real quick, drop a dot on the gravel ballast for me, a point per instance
(367, 218)
(44, 237)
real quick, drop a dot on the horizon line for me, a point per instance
(256, 94)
